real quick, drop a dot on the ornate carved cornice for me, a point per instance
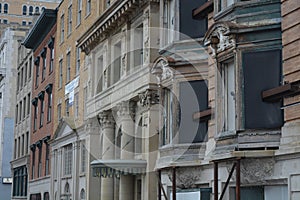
(106, 119)
(149, 98)
(112, 17)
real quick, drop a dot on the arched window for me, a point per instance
(37, 10)
(43, 8)
(5, 8)
(82, 194)
(30, 10)
(24, 10)
(0, 7)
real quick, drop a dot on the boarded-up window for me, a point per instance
(189, 26)
(193, 98)
(262, 71)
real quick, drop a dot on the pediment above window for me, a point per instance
(221, 36)
(65, 127)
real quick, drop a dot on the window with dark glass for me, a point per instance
(77, 60)
(60, 81)
(190, 27)
(49, 109)
(5, 8)
(42, 110)
(47, 164)
(44, 59)
(62, 28)
(70, 19)
(68, 153)
(193, 97)
(33, 162)
(116, 62)
(24, 10)
(28, 104)
(35, 106)
(37, 67)
(37, 10)
(40, 145)
(261, 71)
(30, 10)
(30, 66)
(67, 106)
(68, 75)
(51, 60)
(79, 13)
(88, 7)
(20, 182)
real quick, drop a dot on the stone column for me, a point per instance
(126, 119)
(107, 125)
(150, 101)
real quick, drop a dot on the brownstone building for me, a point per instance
(41, 39)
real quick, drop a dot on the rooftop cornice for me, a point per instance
(116, 14)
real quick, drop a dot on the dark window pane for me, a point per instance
(193, 98)
(189, 26)
(249, 193)
(262, 71)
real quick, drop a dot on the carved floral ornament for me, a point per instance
(220, 36)
(149, 97)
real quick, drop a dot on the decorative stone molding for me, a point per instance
(255, 170)
(220, 36)
(149, 98)
(161, 70)
(186, 177)
(106, 119)
(113, 17)
(126, 109)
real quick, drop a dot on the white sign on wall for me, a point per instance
(69, 89)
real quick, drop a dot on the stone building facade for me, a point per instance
(123, 98)
(10, 41)
(21, 152)
(74, 144)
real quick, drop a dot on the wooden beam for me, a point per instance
(204, 115)
(238, 180)
(216, 192)
(203, 10)
(174, 184)
(277, 93)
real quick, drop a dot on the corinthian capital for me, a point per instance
(126, 109)
(106, 119)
